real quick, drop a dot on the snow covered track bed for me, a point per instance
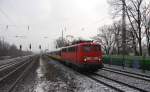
(131, 81)
(66, 80)
(129, 70)
(108, 83)
(126, 73)
(7, 61)
(120, 81)
(14, 73)
(10, 65)
(125, 87)
(115, 84)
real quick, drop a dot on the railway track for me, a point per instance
(116, 85)
(10, 64)
(122, 83)
(98, 80)
(10, 79)
(112, 83)
(130, 74)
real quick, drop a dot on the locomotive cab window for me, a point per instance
(64, 50)
(91, 48)
(87, 49)
(97, 48)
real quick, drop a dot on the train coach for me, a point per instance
(85, 55)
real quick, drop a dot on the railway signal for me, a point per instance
(30, 46)
(28, 28)
(20, 47)
(40, 47)
(6, 26)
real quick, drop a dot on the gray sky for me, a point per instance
(48, 17)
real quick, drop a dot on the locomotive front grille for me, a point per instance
(92, 58)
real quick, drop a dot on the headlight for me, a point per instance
(99, 59)
(85, 59)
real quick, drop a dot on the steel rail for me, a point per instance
(10, 65)
(142, 75)
(11, 62)
(106, 84)
(7, 64)
(127, 74)
(21, 76)
(120, 82)
(3, 78)
(90, 77)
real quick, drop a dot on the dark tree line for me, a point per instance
(10, 50)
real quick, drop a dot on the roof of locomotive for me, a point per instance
(81, 44)
(88, 43)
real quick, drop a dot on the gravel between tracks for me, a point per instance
(55, 77)
(129, 80)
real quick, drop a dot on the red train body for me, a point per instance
(86, 55)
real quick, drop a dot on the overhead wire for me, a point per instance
(7, 17)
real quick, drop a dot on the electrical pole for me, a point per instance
(64, 29)
(30, 46)
(123, 32)
(28, 27)
(62, 37)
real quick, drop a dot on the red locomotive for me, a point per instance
(84, 55)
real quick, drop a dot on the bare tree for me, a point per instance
(135, 13)
(10, 50)
(106, 38)
(146, 25)
(117, 32)
(60, 42)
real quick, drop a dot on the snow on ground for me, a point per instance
(126, 79)
(55, 77)
(134, 70)
(14, 59)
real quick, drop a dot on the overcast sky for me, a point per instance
(47, 18)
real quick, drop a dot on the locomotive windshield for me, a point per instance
(91, 48)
